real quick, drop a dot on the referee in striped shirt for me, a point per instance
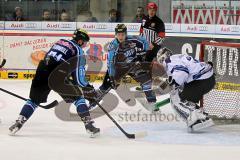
(153, 29)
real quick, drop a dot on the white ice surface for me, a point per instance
(45, 137)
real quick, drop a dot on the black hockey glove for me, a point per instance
(173, 83)
(141, 56)
(89, 93)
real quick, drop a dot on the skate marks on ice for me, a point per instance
(45, 126)
(109, 102)
(176, 133)
(158, 133)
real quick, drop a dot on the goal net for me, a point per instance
(223, 102)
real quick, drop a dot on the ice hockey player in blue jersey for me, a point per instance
(127, 56)
(190, 80)
(62, 51)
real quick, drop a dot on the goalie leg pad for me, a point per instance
(189, 112)
(183, 109)
(200, 125)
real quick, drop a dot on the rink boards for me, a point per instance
(24, 44)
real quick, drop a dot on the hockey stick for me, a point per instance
(51, 105)
(161, 104)
(128, 135)
(3, 63)
(93, 104)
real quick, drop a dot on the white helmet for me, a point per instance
(163, 54)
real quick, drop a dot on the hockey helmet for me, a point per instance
(121, 28)
(152, 5)
(80, 34)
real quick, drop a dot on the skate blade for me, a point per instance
(201, 126)
(93, 135)
(13, 132)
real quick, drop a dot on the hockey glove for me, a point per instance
(172, 83)
(89, 93)
(141, 56)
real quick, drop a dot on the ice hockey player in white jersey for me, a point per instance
(190, 80)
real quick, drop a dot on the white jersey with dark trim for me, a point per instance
(185, 69)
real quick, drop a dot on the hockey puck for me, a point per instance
(128, 100)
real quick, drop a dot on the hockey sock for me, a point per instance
(28, 109)
(83, 110)
(150, 94)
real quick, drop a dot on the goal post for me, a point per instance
(223, 102)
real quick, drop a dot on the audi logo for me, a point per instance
(133, 27)
(66, 25)
(203, 28)
(235, 29)
(169, 27)
(101, 26)
(30, 25)
(1, 25)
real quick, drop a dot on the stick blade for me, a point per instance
(49, 106)
(3, 63)
(141, 134)
(137, 135)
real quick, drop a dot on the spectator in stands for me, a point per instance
(46, 16)
(17, 15)
(65, 17)
(114, 16)
(139, 16)
(90, 17)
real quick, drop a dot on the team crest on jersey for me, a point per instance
(132, 45)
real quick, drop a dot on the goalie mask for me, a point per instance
(163, 54)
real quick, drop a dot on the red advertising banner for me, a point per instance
(206, 12)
